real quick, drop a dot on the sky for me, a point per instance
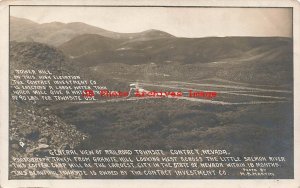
(181, 22)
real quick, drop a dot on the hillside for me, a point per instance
(38, 56)
(33, 128)
(183, 50)
(263, 60)
(88, 43)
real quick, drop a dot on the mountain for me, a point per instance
(56, 33)
(157, 55)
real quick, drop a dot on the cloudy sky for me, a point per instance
(181, 22)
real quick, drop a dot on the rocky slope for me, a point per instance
(33, 128)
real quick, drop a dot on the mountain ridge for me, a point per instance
(56, 33)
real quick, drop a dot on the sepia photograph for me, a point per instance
(150, 92)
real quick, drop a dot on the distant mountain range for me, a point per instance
(56, 33)
(158, 55)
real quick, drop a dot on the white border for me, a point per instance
(4, 182)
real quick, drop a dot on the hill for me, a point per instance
(263, 60)
(33, 128)
(34, 56)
